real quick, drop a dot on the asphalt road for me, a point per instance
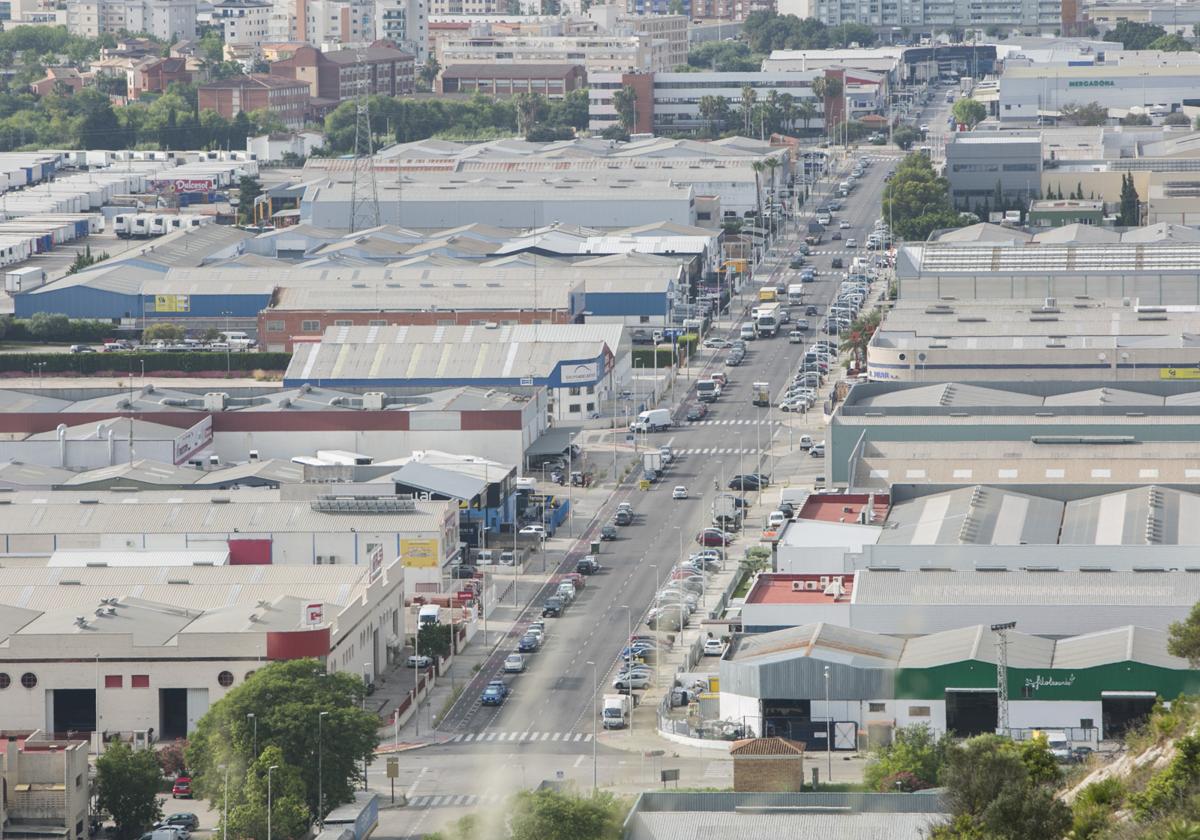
(548, 718)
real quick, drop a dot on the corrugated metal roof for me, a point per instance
(1121, 644)
(975, 515)
(1141, 516)
(806, 826)
(1063, 589)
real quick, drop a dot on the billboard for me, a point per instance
(193, 440)
(419, 554)
(579, 373)
(314, 615)
(375, 561)
(172, 303)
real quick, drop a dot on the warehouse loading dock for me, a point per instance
(1122, 710)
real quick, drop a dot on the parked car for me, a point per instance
(745, 482)
(716, 343)
(184, 820)
(817, 451)
(514, 663)
(608, 531)
(587, 565)
(713, 647)
(632, 681)
(421, 661)
(492, 696)
(552, 607)
(182, 789)
(697, 412)
(463, 572)
(534, 530)
(714, 536)
(529, 643)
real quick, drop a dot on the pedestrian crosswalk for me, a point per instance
(735, 423)
(714, 450)
(522, 737)
(453, 800)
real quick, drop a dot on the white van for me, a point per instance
(747, 333)
(429, 614)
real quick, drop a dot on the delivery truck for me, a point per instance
(652, 465)
(615, 714)
(761, 394)
(654, 420)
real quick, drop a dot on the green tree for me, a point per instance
(212, 46)
(1136, 119)
(434, 640)
(549, 815)
(163, 332)
(807, 111)
(749, 97)
(571, 110)
(127, 784)
(1133, 35)
(905, 136)
(1176, 118)
(1093, 113)
(289, 814)
(428, 72)
(248, 189)
(531, 109)
(48, 326)
(917, 200)
(625, 103)
(969, 111)
(287, 699)
(1183, 636)
(1171, 42)
(915, 749)
(709, 108)
(1129, 214)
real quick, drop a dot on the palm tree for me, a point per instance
(787, 109)
(759, 167)
(749, 97)
(709, 109)
(806, 110)
(529, 106)
(773, 110)
(858, 336)
(625, 103)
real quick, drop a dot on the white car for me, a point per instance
(627, 682)
(537, 530)
(713, 647)
(717, 343)
(514, 663)
(419, 661)
(680, 492)
(924, 129)
(843, 225)
(851, 243)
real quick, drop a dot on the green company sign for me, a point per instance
(1092, 83)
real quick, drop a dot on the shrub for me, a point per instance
(118, 363)
(1170, 786)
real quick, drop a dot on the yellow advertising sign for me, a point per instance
(419, 554)
(172, 303)
(1179, 373)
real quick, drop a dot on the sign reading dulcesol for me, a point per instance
(1090, 83)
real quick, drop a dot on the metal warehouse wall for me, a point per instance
(79, 302)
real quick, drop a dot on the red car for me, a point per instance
(714, 536)
(577, 579)
(182, 789)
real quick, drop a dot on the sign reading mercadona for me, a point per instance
(1091, 83)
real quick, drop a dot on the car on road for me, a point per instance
(680, 492)
(744, 482)
(632, 681)
(716, 343)
(463, 572)
(529, 644)
(806, 442)
(924, 129)
(713, 647)
(534, 530)
(817, 451)
(182, 789)
(836, 262)
(623, 517)
(836, 236)
(421, 661)
(608, 531)
(514, 663)
(587, 565)
(851, 243)
(843, 224)
(492, 696)
(552, 607)
(183, 820)
(697, 412)
(714, 536)
(798, 262)
(811, 311)
(82, 348)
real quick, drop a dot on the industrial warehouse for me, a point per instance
(792, 681)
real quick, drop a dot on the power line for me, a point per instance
(364, 192)
(1001, 631)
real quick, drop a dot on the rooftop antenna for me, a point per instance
(364, 193)
(1001, 631)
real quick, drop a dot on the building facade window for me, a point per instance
(5, 681)
(310, 326)
(139, 681)
(113, 681)
(275, 326)
(225, 679)
(29, 679)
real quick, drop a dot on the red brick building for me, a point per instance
(554, 81)
(154, 74)
(773, 765)
(334, 77)
(284, 97)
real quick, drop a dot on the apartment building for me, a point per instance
(162, 19)
(406, 24)
(335, 21)
(284, 97)
(553, 81)
(1029, 16)
(243, 22)
(597, 53)
(334, 77)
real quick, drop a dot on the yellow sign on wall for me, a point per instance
(172, 303)
(1179, 373)
(419, 554)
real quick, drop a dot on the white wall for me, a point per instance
(1030, 714)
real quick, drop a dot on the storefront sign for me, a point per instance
(419, 554)
(314, 615)
(193, 440)
(172, 303)
(1090, 83)
(1039, 681)
(1179, 373)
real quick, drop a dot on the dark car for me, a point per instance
(463, 572)
(713, 536)
(608, 532)
(811, 310)
(836, 262)
(529, 643)
(587, 565)
(623, 517)
(184, 820)
(798, 262)
(492, 696)
(552, 608)
(745, 482)
(697, 412)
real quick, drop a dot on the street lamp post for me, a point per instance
(657, 635)
(628, 645)
(828, 732)
(321, 767)
(250, 716)
(228, 346)
(570, 488)
(270, 770)
(595, 716)
(225, 806)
